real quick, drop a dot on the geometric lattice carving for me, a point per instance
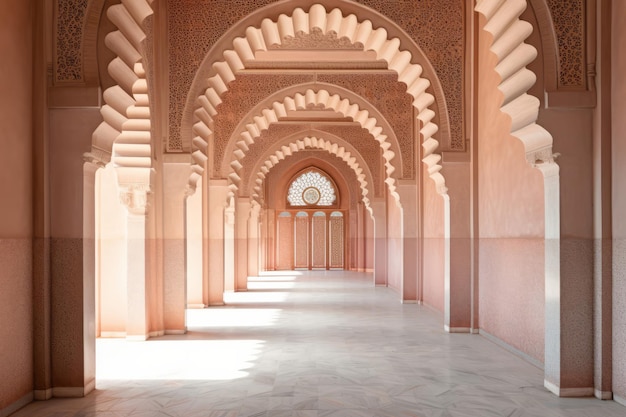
(69, 36)
(437, 26)
(569, 18)
(311, 188)
(195, 26)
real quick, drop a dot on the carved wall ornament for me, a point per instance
(316, 39)
(69, 26)
(569, 19)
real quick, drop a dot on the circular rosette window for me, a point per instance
(311, 195)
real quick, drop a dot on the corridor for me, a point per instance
(316, 343)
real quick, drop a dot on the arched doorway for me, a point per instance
(311, 231)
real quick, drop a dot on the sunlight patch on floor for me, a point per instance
(158, 359)
(228, 317)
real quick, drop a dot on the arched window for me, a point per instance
(312, 188)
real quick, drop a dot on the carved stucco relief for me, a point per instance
(194, 26)
(569, 24)
(70, 21)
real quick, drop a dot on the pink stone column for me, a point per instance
(193, 247)
(242, 215)
(217, 198)
(175, 177)
(602, 210)
(254, 249)
(458, 289)
(134, 197)
(407, 190)
(379, 211)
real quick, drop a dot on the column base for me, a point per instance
(449, 329)
(74, 392)
(568, 392)
(43, 394)
(603, 395)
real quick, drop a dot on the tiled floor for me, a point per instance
(316, 344)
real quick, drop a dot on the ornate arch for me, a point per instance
(124, 136)
(212, 79)
(273, 158)
(310, 99)
(513, 54)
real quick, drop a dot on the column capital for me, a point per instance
(135, 198)
(97, 158)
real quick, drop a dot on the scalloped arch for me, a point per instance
(509, 33)
(310, 142)
(310, 99)
(243, 50)
(124, 136)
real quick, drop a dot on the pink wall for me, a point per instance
(433, 261)
(619, 201)
(16, 228)
(511, 224)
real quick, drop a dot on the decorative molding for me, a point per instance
(97, 157)
(316, 39)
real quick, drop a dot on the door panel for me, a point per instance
(302, 240)
(336, 240)
(318, 244)
(284, 253)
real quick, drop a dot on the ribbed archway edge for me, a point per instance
(273, 32)
(310, 142)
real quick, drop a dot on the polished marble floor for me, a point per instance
(316, 344)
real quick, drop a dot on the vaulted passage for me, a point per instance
(364, 178)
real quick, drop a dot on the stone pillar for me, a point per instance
(90, 168)
(269, 242)
(361, 237)
(407, 190)
(193, 247)
(218, 195)
(458, 294)
(379, 211)
(602, 210)
(135, 198)
(229, 245)
(175, 177)
(242, 215)
(254, 249)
